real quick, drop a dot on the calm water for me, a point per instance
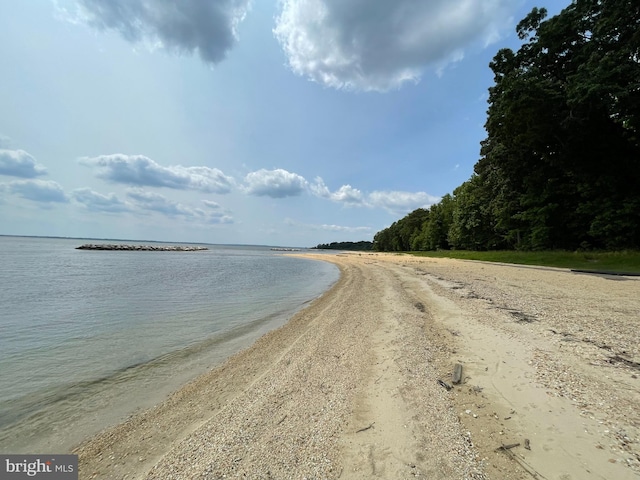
(88, 337)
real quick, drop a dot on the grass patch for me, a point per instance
(625, 261)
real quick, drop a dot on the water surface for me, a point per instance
(88, 337)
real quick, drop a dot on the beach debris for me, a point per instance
(507, 446)
(444, 384)
(365, 428)
(520, 317)
(419, 306)
(527, 468)
(527, 444)
(457, 374)
(624, 361)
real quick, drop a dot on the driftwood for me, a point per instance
(528, 468)
(457, 374)
(508, 446)
(365, 428)
(444, 384)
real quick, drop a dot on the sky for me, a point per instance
(265, 122)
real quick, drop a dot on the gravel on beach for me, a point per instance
(349, 387)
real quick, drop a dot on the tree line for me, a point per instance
(560, 166)
(362, 245)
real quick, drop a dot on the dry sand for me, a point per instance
(349, 387)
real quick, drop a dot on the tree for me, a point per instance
(560, 167)
(561, 156)
(471, 226)
(435, 230)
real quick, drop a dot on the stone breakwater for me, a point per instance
(146, 248)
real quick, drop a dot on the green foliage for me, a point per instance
(560, 167)
(362, 245)
(402, 235)
(622, 261)
(435, 230)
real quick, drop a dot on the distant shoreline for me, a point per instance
(146, 241)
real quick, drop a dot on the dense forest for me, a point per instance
(560, 166)
(362, 245)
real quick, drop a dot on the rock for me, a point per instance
(154, 248)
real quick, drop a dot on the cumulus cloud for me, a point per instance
(18, 163)
(155, 202)
(345, 194)
(392, 201)
(44, 191)
(401, 202)
(380, 44)
(348, 194)
(276, 183)
(138, 170)
(96, 202)
(209, 28)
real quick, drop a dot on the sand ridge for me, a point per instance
(348, 387)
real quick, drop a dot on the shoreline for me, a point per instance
(118, 336)
(348, 387)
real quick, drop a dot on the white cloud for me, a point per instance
(319, 189)
(158, 203)
(401, 202)
(155, 202)
(97, 202)
(276, 183)
(18, 163)
(392, 201)
(345, 194)
(43, 191)
(138, 170)
(210, 204)
(181, 26)
(341, 228)
(216, 214)
(328, 227)
(381, 44)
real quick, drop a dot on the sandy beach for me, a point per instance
(354, 386)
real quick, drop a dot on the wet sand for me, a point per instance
(348, 388)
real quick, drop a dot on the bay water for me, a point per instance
(89, 337)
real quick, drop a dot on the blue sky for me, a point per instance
(291, 122)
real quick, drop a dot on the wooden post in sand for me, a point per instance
(457, 374)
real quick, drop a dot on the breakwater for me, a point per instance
(146, 248)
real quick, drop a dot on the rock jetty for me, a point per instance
(146, 248)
